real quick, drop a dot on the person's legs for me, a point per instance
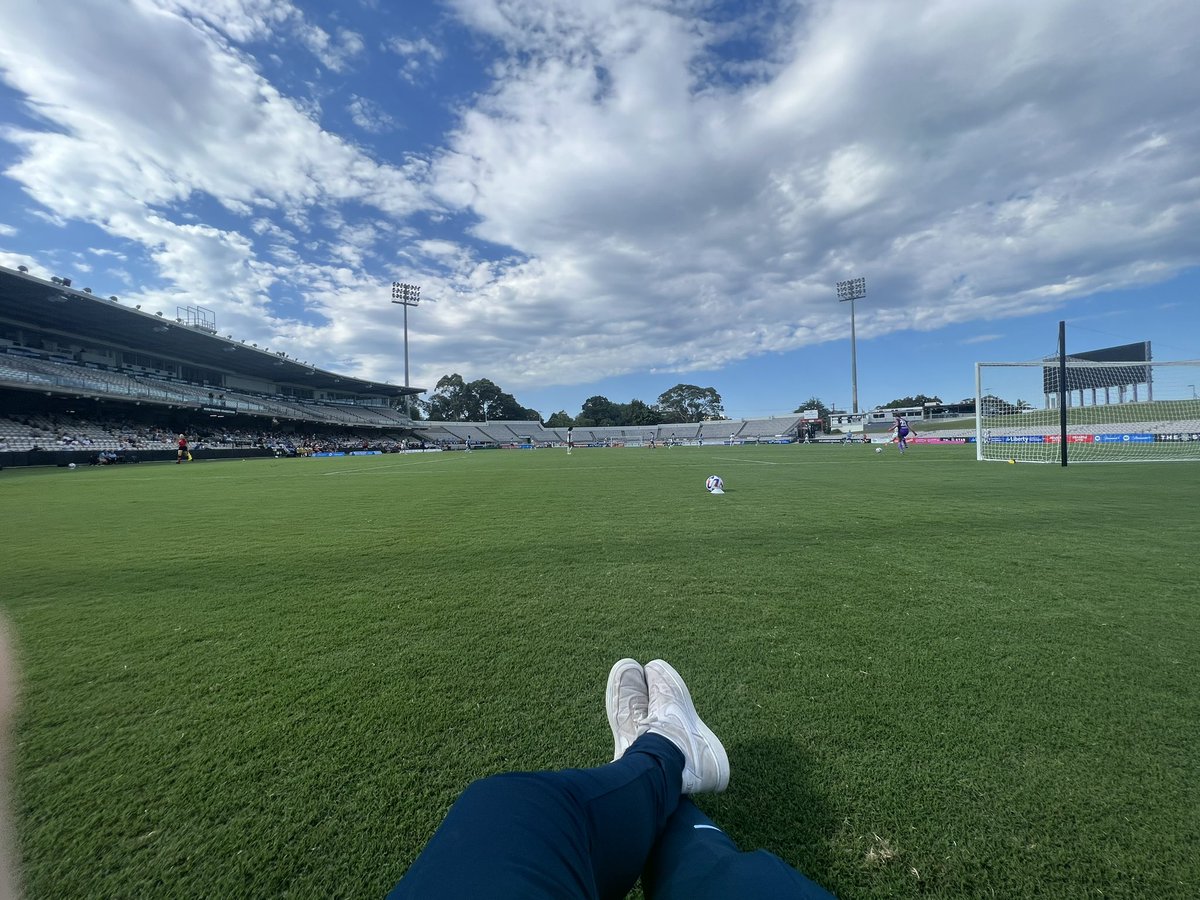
(695, 860)
(580, 832)
(575, 833)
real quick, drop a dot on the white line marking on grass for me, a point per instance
(761, 462)
(389, 467)
(393, 467)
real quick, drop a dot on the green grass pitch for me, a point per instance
(934, 677)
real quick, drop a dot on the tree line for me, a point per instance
(456, 400)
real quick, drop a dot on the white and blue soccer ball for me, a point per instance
(714, 483)
(878, 449)
(70, 465)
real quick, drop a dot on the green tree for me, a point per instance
(560, 420)
(638, 412)
(448, 401)
(822, 411)
(996, 406)
(919, 400)
(690, 403)
(599, 411)
(454, 400)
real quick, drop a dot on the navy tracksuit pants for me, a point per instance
(589, 833)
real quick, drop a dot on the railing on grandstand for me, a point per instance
(24, 368)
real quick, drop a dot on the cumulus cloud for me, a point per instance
(976, 161)
(664, 185)
(167, 112)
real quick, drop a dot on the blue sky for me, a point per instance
(612, 196)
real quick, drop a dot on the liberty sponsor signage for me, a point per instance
(1124, 438)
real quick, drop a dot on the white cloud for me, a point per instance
(635, 199)
(975, 161)
(335, 51)
(248, 20)
(418, 56)
(164, 113)
(370, 116)
(12, 260)
(7, 230)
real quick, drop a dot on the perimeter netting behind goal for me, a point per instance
(1116, 412)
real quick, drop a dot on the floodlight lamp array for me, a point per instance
(406, 294)
(852, 289)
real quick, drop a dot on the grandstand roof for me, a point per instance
(32, 302)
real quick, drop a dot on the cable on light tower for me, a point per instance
(406, 295)
(852, 289)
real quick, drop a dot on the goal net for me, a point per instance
(1116, 412)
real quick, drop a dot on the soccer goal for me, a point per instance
(1143, 411)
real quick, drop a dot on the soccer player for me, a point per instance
(182, 453)
(570, 439)
(900, 427)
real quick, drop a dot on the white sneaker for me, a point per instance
(627, 702)
(672, 714)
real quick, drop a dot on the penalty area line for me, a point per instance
(759, 462)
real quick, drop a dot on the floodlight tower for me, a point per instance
(406, 295)
(852, 289)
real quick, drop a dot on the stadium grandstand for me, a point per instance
(782, 429)
(85, 378)
(82, 373)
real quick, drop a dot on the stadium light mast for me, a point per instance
(406, 295)
(852, 289)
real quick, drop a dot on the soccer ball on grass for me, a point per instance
(878, 449)
(714, 485)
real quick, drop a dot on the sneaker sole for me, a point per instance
(666, 670)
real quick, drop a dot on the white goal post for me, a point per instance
(1140, 411)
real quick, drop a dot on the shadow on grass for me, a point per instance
(770, 806)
